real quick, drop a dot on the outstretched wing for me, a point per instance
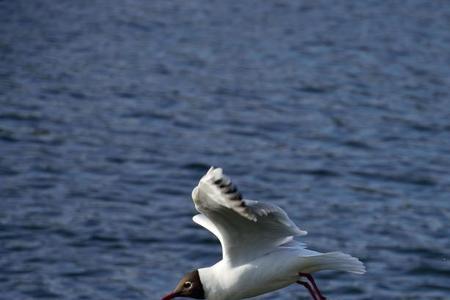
(246, 229)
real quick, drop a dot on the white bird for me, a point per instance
(259, 254)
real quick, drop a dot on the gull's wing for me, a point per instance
(246, 229)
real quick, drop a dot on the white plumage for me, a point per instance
(259, 252)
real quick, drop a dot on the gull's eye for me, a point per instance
(187, 285)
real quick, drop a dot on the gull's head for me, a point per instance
(189, 286)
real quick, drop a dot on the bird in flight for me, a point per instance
(259, 253)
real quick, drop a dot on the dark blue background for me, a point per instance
(110, 111)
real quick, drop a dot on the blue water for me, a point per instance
(110, 112)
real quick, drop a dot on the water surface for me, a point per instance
(110, 112)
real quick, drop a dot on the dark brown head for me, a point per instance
(189, 286)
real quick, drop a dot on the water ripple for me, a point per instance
(110, 114)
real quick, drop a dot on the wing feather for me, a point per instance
(203, 221)
(246, 229)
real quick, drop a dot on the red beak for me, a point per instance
(170, 296)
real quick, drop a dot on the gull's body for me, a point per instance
(259, 251)
(270, 272)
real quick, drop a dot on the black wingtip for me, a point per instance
(228, 188)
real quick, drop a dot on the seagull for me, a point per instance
(259, 253)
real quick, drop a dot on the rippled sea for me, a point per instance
(110, 112)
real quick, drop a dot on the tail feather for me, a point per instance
(333, 261)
